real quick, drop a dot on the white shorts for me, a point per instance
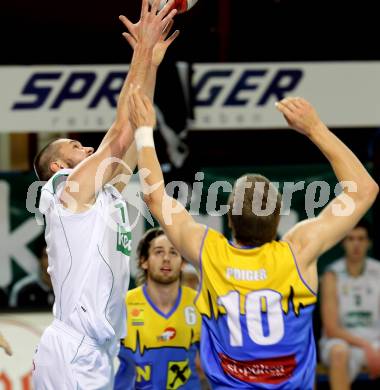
(67, 360)
(356, 360)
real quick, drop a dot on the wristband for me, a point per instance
(144, 137)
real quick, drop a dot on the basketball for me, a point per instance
(181, 5)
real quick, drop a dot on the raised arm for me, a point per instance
(146, 78)
(89, 176)
(180, 227)
(158, 54)
(314, 236)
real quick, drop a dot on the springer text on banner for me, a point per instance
(225, 96)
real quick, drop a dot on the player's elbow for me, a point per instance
(369, 192)
(374, 189)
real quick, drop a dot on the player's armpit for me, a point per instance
(304, 241)
(124, 171)
(88, 177)
(313, 237)
(191, 238)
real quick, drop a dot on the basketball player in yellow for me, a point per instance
(163, 325)
(257, 294)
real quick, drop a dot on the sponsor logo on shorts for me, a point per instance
(178, 374)
(143, 376)
(271, 371)
(167, 334)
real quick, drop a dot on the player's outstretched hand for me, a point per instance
(5, 345)
(160, 47)
(152, 26)
(141, 110)
(300, 115)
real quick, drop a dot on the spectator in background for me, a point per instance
(35, 290)
(5, 345)
(190, 276)
(350, 311)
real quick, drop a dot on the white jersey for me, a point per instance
(88, 261)
(359, 299)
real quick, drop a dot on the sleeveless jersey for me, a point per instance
(88, 261)
(359, 299)
(256, 317)
(159, 350)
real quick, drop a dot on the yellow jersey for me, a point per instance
(160, 349)
(256, 316)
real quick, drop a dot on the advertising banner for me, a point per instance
(225, 96)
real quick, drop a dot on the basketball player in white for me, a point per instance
(87, 232)
(351, 311)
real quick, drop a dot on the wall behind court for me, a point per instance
(20, 233)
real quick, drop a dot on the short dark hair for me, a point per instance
(41, 163)
(248, 227)
(142, 252)
(364, 224)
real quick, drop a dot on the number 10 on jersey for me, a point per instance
(253, 315)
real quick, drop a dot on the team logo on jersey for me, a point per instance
(273, 371)
(124, 240)
(137, 316)
(167, 334)
(178, 374)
